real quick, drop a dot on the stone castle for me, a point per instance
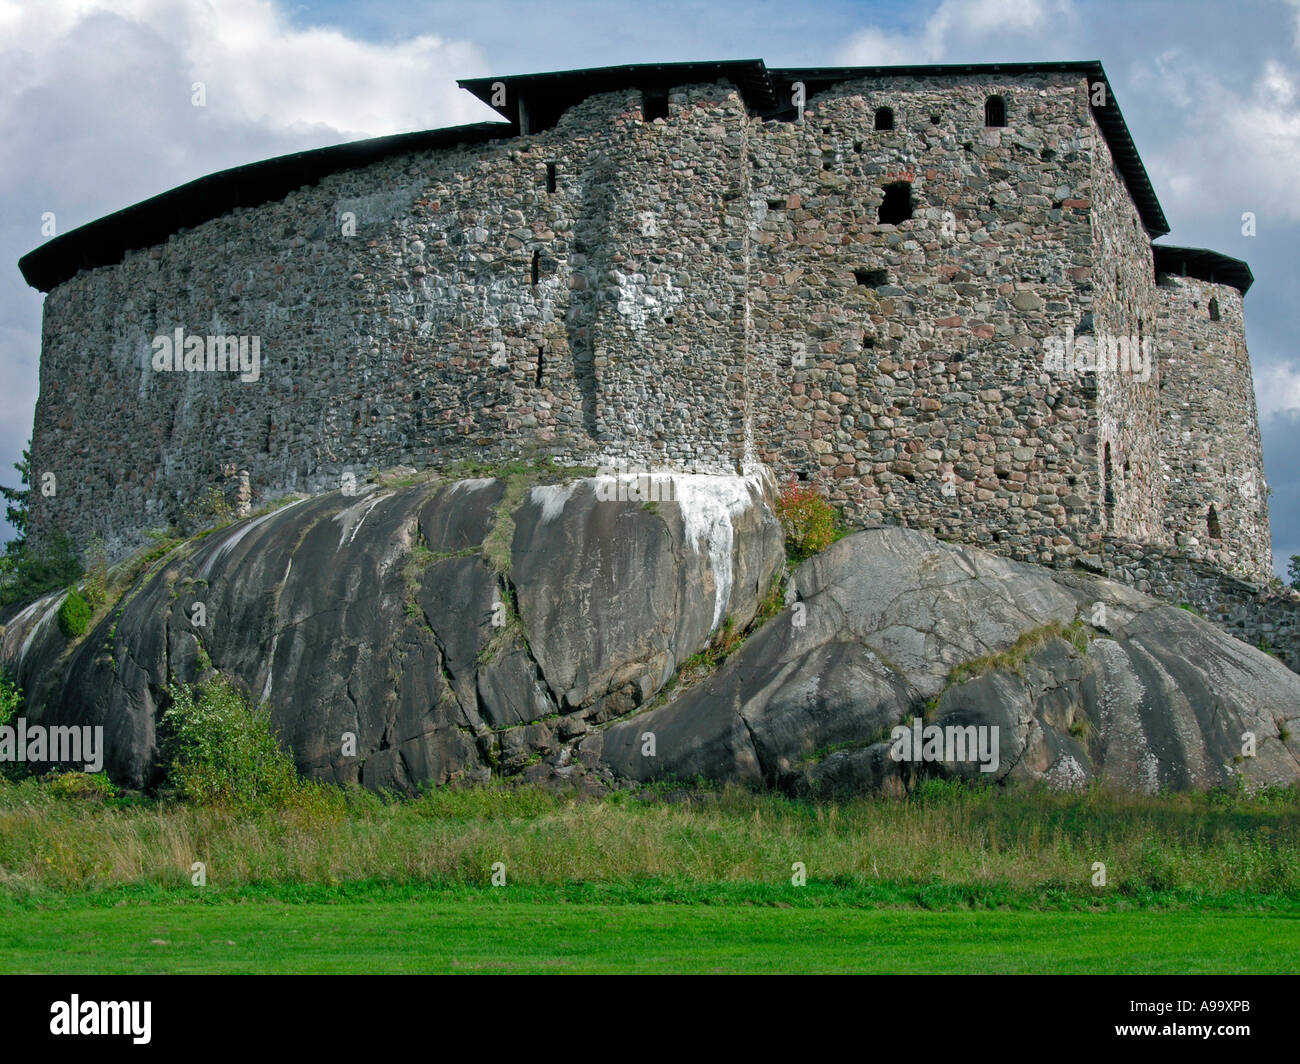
(931, 290)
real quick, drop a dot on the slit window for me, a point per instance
(550, 177)
(884, 118)
(1107, 489)
(896, 207)
(1214, 310)
(537, 262)
(995, 111)
(541, 364)
(654, 104)
(1212, 523)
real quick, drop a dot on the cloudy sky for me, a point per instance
(96, 114)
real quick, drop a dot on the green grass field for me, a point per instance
(493, 933)
(950, 880)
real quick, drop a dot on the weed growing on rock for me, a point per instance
(808, 520)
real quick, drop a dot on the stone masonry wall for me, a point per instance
(1256, 612)
(914, 390)
(1126, 432)
(1209, 431)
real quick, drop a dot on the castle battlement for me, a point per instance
(856, 276)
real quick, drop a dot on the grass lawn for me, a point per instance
(949, 880)
(492, 933)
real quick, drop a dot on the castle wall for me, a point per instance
(1209, 430)
(921, 396)
(424, 337)
(1125, 430)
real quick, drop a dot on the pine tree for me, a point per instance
(16, 498)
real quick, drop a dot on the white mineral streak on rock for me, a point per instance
(708, 505)
(350, 520)
(473, 484)
(232, 541)
(275, 640)
(52, 602)
(551, 498)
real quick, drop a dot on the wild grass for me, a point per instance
(1037, 847)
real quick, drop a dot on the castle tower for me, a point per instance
(1211, 456)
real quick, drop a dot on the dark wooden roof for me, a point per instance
(1203, 264)
(765, 91)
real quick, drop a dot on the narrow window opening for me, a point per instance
(934, 120)
(1212, 522)
(668, 320)
(550, 177)
(1107, 489)
(654, 104)
(896, 207)
(884, 118)
(871, 278)
(541, 364)
(537, 262)
(857, 146)
(1214, 310)
(995, 111)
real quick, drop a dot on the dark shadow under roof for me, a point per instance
(766, 92)
(564, 88)
(1203, 264)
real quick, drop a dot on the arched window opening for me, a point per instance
(896, 207)
(884, 118)
(995, 111)
(1214, 310)
(1212, 523)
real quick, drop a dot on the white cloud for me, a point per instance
(1249, 162)
(962, 28)
(1277, 390)
(96, 113)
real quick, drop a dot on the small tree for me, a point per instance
(74, 615)
(1293, 571)
(16, 499)
(807, 518)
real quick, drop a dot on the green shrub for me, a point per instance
(81, 786)
(209, 510)
(96, 583)
(223, 753)
(74, 615)
(11, 699)
(30, 572)
(808, 519)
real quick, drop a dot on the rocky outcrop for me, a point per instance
(1081, 679)
(453, 629)
(501, 627)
